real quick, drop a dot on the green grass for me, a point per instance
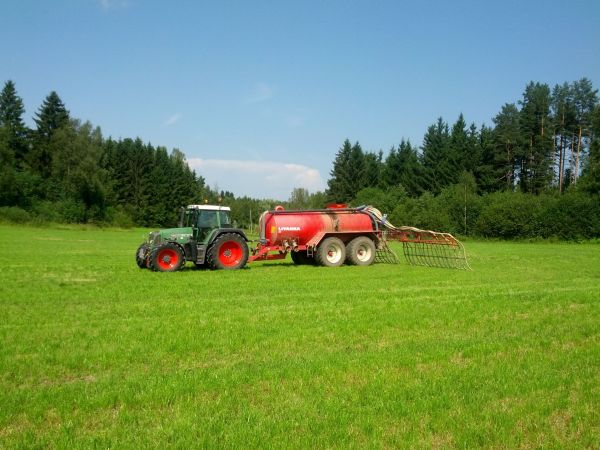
(97, 353)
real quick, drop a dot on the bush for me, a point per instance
(45, 212)
(72, 211)
(511, 215)
(461, 202)
(14, 214)
(118, 217)
(385, 201)
(427, 212)
(573, 215)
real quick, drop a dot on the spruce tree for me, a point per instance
(373, 169)
(11, 119)
(347, 174)
(402, 168)
(439, 168)
(411, 171)
(51, 115)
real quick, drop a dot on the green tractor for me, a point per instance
(205, 236)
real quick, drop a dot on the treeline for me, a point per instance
(63, 170)
(536, 172)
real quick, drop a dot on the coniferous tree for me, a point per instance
(563, 117)
(535, 165)
(347, 175)
(51, 115)
(472, 159)
(8, 193)
(357, 168)
(439, 169)
(488, 176)
(411, 170)
(402, 168)
(507, 148)
(459, 151)
(585, 98)
(591, 174)
(373, 169)
(11, 119)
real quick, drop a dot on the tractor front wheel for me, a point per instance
(141, 256)
(229, 251)
(331, 252)
(167, 258)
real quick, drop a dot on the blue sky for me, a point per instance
(260, 95)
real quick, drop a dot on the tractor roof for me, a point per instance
(210, 207)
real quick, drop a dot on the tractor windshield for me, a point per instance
(224, 219)
(207, 219)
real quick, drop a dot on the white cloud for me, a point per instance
(172, 120)
(262, 92)
(261, 179)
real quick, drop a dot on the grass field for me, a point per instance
(97, 353)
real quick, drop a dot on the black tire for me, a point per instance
(331, 252)
(167, 258)
(141, 256)
(360, 251)
(302, 257)
(228, 252)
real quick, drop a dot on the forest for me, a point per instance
(534, 173)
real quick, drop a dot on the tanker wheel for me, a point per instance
(360, 251)
(167, 258)
(331, 252)
(229, 251)
(141, 256)
(301, 257)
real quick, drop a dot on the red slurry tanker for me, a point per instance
(328, 237)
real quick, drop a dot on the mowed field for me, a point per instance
(95, 352)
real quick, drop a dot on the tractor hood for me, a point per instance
(180, 235)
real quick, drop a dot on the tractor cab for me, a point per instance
(203, 219)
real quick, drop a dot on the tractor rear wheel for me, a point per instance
(301, 257)
(141, 256)
(360, 251)
(167, 258)
(331, 252)
(229, 251)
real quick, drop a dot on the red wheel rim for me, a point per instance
(230, 253)
(167, 258)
